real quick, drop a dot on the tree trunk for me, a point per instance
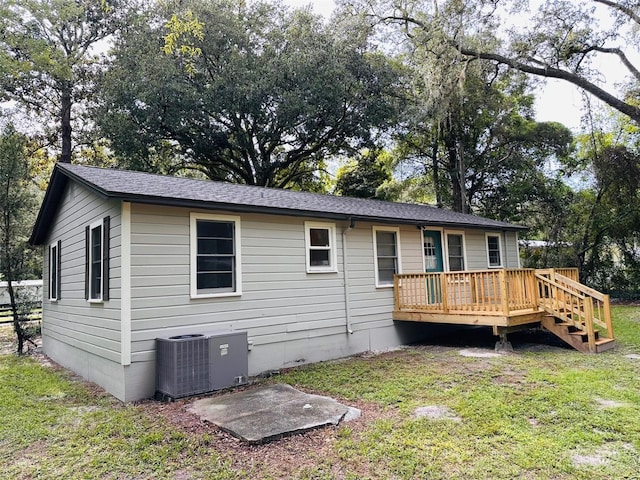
(454, 172)
(65, 124)
(462, 178)
(8, 274)
(435, 171)
(17, 324)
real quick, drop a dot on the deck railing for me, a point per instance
(482, 292)
(507, 292)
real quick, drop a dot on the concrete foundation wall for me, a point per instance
(93, 368)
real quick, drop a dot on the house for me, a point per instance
(130, 257)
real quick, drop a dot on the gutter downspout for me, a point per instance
(345, 275)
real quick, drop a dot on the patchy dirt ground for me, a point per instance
(283, 458)
(8, 344)
(288, 456)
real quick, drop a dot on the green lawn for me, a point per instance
(535, 414)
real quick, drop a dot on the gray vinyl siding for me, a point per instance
(475, 241)
(280, 301)
(371, 306)
(72, 321)
(476, 249)
(291, 316)
(511, 250)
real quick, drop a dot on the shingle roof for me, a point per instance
(165, 190)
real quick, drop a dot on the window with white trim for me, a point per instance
(494, 253)
(455, 252)
(96, 284)
(320, 241)
(54, 271)
(215, 255)
(386, 244)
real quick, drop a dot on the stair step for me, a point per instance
(583, 332)
(605, 344)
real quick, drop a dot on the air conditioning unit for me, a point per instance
(193, 364)
(228, 354)
(182, 366)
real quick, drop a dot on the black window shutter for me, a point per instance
(49, 280)
(105, 257)
(87, 246)
(59, 273)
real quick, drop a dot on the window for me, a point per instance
(387, 255)
(215, 255)
(320, 240)
(97, 261)
(455, 251)
(494, 255)
(54, 271)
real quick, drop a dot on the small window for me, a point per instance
(54, 271)
(387, 255)
(455, 252)
(97, 261)
(320, 239)
(215, 255)
(494, 254)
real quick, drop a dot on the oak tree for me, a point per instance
(252, 93)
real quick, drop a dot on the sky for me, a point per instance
(556, 100)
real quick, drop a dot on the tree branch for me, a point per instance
(551, 72)
(623, 58)
(622, 8)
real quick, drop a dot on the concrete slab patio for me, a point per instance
(268, 412)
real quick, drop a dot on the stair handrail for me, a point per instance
(591, 306)
(553, 306)
(595, 295)
(578, 304)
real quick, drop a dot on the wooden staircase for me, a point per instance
(579, 315)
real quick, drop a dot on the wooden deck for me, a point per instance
(507, 299)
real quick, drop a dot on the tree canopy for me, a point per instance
(254, 93)
(48, 57)
(477, 140)
(560, 39)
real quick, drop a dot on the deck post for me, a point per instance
(588, 323)
(443, 287)
(533, 289)
(606, 306)
(504, 292)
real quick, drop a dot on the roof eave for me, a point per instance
(48, 207)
